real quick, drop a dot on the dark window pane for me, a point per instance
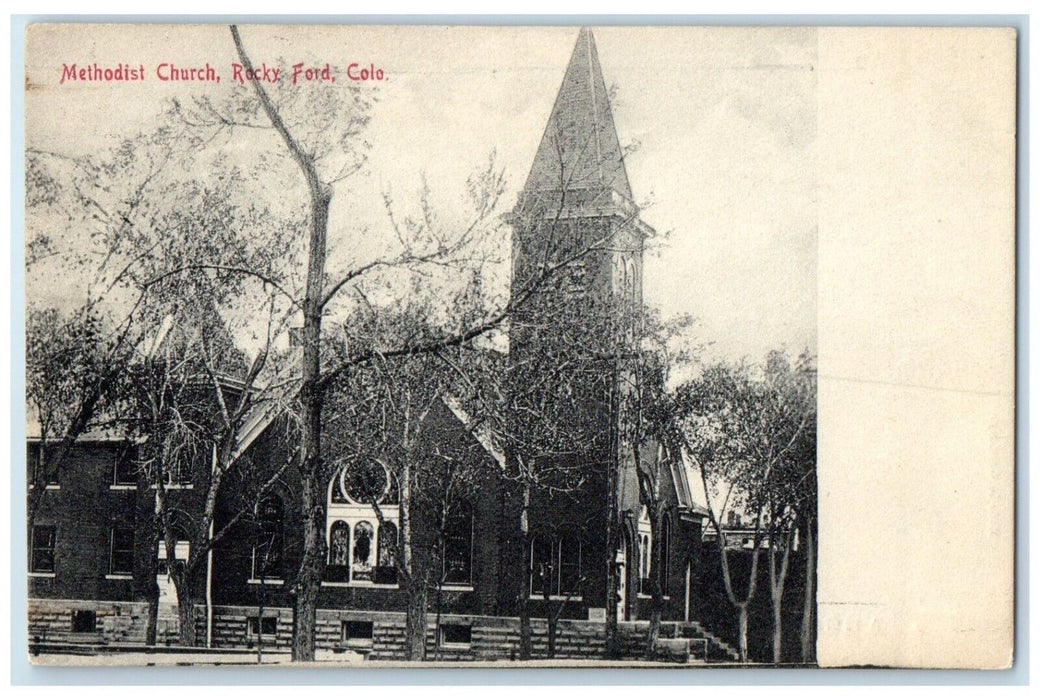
(42, 552)
(357, 630)
(386, 570)
(543, 569)
(570, 565)
(456, 634)
(37, 466)
(269, 626)
(122, 552)
(458, 549)
(125, 469)
(84, 621)
(267, 552)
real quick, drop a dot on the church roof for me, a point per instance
(580, 148)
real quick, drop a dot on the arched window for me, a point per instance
(339, 544)
(570, 565)
(630, 279)
(542, 565)
(364, 544)
(362, 551)
(388, 553)
(267, 549)
(458, 548)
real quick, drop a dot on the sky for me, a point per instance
(723, 120)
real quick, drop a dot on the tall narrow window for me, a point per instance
(644, 564)
(387, 544)
(42, 550)
(386, 569)
(339, 544)
(338, 569)
(121, 552)
(364, 543)
(570, 565)
(542, 565)
(267, 552)
(458, 548)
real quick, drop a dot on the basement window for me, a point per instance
(84, 621)
(456, 635)
(269, 626)
(357, 633)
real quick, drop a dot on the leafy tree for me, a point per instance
(74, 367)
(746, 429)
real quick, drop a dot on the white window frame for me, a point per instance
(353, 513)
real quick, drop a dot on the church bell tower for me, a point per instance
(578, 258)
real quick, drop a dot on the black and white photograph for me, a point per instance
(383, 345)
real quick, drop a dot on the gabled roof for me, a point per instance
(479, 430)
(681, 481)
(579, 148)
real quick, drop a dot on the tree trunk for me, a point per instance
(185, 612)
(742, 623)
(415, 621)
(151, 624)
(778, 633)
(809, 603)
(308, 581)
(408, 568)
(654, 631)
(776, 588)
(524, 610)
(552, 624)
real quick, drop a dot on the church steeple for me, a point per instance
(579, 148)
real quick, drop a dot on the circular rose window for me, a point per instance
(364, 481)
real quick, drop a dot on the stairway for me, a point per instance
(717, 650)
(704, 645)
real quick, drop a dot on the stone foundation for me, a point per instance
(117, 622)
(477, 638)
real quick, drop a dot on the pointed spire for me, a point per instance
(580, 147)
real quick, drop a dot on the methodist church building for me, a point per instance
(88, 563)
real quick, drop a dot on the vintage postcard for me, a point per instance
(519, 346)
